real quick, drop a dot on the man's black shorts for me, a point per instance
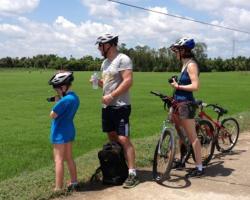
(116, 119)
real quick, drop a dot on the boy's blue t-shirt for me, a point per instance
(62, 127)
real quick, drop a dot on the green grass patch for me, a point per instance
(39, 184)
(26, 154)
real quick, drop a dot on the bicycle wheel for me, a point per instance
(205, 133)
(227, 135)
(164, 156)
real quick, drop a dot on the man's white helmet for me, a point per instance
(107, 38)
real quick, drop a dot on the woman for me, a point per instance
(184, 88)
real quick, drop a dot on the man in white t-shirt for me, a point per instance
(117, 79)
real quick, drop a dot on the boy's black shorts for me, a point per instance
(116, 119)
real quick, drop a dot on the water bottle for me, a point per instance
(95, 79)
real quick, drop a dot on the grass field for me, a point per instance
(25, 124)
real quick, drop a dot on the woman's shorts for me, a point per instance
(186, 110)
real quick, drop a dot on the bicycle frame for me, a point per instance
(204, 115)
(221, 133)
(170, 103)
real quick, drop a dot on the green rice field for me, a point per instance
(25, 123)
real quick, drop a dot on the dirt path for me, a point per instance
(227, 178)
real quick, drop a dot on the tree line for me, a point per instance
(145, 59)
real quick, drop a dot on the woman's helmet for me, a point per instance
(183, 42)
(61, 78)
(107, 38)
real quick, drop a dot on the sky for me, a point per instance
(70, 27)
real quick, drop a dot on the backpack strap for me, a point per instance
(113, 146)
(94, 177)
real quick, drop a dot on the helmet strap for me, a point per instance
(179, 50)
(105, 53)
(67, 88)
(64, 92)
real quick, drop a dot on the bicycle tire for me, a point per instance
(228, 135)
(164, 156)
(205, 133)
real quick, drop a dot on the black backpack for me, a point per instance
(112, 164)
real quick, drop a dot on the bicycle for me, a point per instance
(226, 130)
(165, 149)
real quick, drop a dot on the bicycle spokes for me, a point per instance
(227, 135)
(205, 133)
(163, 156)
(163, 153)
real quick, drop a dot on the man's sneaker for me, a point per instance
(131, 181)
(178, 165)
(195, 173)
(73, 187)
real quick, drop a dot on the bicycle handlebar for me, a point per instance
(166, 99)
(158, 94)
(169, 102)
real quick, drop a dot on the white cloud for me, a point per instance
(214, 5)
(239, 3)
(101, 8)
(64, 23)
(11, 30)
(159, 30)
(230, 12)
(15, 7)
(236, 17)
(202, 5)
(65, 37)
(153, 29)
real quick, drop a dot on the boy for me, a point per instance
(62, 129)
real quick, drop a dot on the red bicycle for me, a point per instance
(226, 130)
(165, 149)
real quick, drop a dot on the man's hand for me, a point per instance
(107, 99)
(100, 82)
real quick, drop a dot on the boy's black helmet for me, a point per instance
(61, 78)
